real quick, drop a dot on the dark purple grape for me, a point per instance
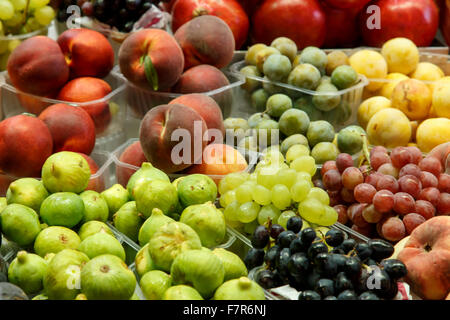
(282, 262)
(297, 246)
(381, 249)
(347, 245)
(308, 235)
(325, 266)
(394, 268)
(275, 230)
(334, 237)
(294, 224)
(367, 295)
(266, 279)
(330, 298)
(260, 237)
(254, 258)
(347, 295)
(285, 238)
(352, 266)
(298, 264)
(340, 261)
(271, 256)
(338, 251)
(363, 251)
(380, 283)
(297, 282)
(128, 26)
(316, 248)
(133, 5)
(308, 295)
(342, 282)
(324, 287)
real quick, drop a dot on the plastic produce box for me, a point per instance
(288, 293)
(100, 181)
(344, 114)
(14, 102)
(12, 40)
(139, 100)
(251, 158)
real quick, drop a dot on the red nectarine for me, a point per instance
(132, 155)
(95, 184)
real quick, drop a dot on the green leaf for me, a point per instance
(150, 73)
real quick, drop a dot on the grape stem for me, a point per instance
(366, 151)
(25, 12)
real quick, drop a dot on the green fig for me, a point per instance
(107, 277)
(143, 261)
(147, 172)
(92, 227)
(20, 224)
(115, 197)
(135, 297)
(233, 265)
(27, 191)
(62, 280)
(202, 269)
(152, 224)
(196, 189)
(40, 297)
(64, 209)
(55, 239)
(155, 194)
(101, 243)
(154, 284)
(66, 171)
(3, 203)
(81, 296)
(49, 256)
(95, 207)
(239, 289)
(128, 220)
(207, 221)
(169, 241)
(27, 271)
(181, 292)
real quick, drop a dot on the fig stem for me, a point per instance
(150, 73)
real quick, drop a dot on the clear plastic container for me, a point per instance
(6, 40)
(101, 180)
(140, 100)
(344, 114)
(14, 102)
(251, 158)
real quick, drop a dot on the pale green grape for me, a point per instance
(267, 176)
(4, 60)
(243, 193)
(3, 46)
(1, 28)
(304, 163)
(12, 44)
(250, 183)
(249, 228)
(6, 10)
(329, 217)
(19, 5)
(223, 186)
(273, 157)
(248, 212)
(34, 4)
(311, 210)
(287, 177)
(284, 217)
(235, 179)
(304, 176)
(269, 212)
(300, 190)
(32, 25)
(227, 198)
(281, 198)
(261, 195)
(15, 21)
(319, 194)
(296, 151)
(253, 176)
(44, 15)
(230, 212)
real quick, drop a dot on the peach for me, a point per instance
(25, 144)
(151, 59)
(208, 109)
(71, 127)
(87, 89)
(37, 66)
(33, 104)
(219, 160)
(171, 137)
(95, 184)
(87, 52)
(132, 155)
(206, 40)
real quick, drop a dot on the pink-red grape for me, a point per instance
(393, 229)
(387, 183)
(351, 177)
(364, 170)
(411, 169)
(379, 158)
(432, 165)
(371, 215)
(342, 213)
(412, 221)
(416, 154)
(364, 193)
(431, 195)
(443, 206)
(328, 165)
(388, 169)
(403, 203)
(428, 180)
(318, 183)
(410, 184)
(343, 161)
(444, 182)
(378, 149)
(401, 156)
(335, 197)
(365, 231)
(354, 213)
(373, 178)
(425, 209)
(332, 180)
(347, 195)
(383, 201)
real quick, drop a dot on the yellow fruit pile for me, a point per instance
(409, 101)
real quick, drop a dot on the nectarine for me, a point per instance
(95, 184)
(132, 155)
